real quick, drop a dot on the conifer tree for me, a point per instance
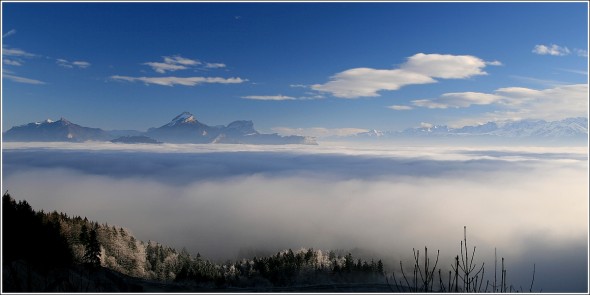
(92, 254)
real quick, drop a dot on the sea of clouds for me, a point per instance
(529, 203)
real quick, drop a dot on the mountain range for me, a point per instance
(184, 128)
(570, 128)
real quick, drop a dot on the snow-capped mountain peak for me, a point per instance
(183, 118)
(49, 121)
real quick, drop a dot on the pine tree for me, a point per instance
(92, 254)
(380, 269)
(84, 234)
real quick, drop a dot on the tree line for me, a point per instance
(41, 250)
(55, 240)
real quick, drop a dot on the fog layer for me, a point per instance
(531, 206)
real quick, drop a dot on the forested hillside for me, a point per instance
(56, 252)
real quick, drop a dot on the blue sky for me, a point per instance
(308, 68)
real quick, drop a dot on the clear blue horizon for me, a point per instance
(294, 67)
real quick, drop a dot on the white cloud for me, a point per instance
(366, 82)
(426, 125)
(258, 199)
(310, 96)
(418, 69)
(581, 72)
(16, 52)
(298, 86)
(10, 62)
(429, 103)
(22, 79)
(544, 82)
(68, 64)
(81, 64)
(494, 63)
(445, 66)
(177, 59)
(173, 63)
(458, 100)
(515, 103)
(552, 49)
(9, 33)
(177, 62)
(269, 97)
(185, 81)
(581, 52)
(400, 108)
(214, 65)
(161, 67)
(318, 131)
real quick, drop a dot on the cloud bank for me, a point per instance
(517, 103)
(318, 131)
(418, 69)
(530, 205)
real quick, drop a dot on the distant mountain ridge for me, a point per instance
(184, 128)
(566, 128)
(48, 130)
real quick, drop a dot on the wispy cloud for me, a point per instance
(543, 82)
(172, 63)
(177, 59)
(17, 59)
(457, 100)
(161, 67)
(177, 62)
(81, 64)
(210, 65)
(22, 79)
(552, 49)
(517, 103)
(298, 86)
(185, 81)
(9, 33)
(318, 131)
(11, 62)
(494, 63)
(400, 107)
(418, 69)
(67, 64)
(16, 52)
(269, 97)
(581, 72)
(581, 52)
